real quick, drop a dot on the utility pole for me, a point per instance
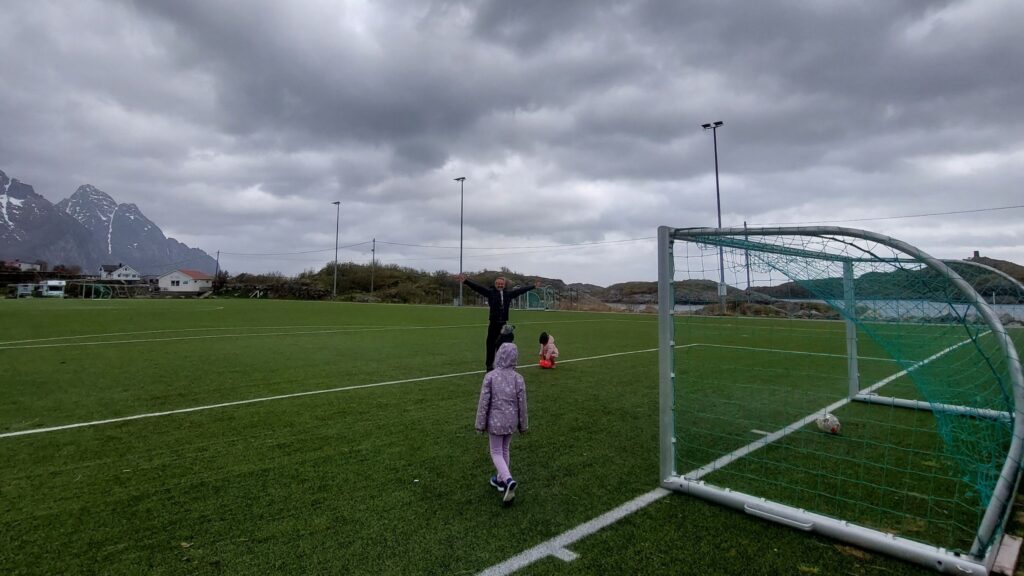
(216, 271)
(337, 227)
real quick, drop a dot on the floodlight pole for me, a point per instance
(337, 227)
(373, 263)
(714, 126)
(462, 203)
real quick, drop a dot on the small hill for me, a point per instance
(1015, 270)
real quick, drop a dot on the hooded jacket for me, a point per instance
(502, 406)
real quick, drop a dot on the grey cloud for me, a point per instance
(235, 124)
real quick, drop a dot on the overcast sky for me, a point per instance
(234, 125)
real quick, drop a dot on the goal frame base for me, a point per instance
(939, 559)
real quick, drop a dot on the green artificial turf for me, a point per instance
(387, 479)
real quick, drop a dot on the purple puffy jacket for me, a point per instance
(502, 406)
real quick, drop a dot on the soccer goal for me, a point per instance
(841, 382)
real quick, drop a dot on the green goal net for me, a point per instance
(844, 382)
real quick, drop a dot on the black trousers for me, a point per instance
(493, 331)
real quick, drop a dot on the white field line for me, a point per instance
(7, 345)
(328, 330)
(558, 546)
(173, 330)
(359, 386)
(284, 396)
(234, 403)
(218, 336)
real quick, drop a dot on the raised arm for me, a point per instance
(481, 290)
(522, 289)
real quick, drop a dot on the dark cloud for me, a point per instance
(233, 124)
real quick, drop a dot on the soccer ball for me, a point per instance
(828, 423)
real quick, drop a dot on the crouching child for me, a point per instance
(548, 350)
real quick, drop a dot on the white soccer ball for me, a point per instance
(828, 423)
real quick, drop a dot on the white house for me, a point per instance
(23, 266)
(118, 272)
(185, 281)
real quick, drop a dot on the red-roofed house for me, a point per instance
(185, 281)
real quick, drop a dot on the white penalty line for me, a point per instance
(227, 404)
(558, 546)
(361, 386)
(286, 396)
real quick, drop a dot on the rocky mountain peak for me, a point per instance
(88, 229)
(91, 206)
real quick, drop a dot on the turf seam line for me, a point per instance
(329, 330)
(170, 330)
(554, 546)
(800, 352)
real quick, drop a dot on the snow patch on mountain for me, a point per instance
(5, 200)
(110, 230)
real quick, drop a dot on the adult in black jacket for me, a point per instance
(498, 300)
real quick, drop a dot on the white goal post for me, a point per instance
(979, 412)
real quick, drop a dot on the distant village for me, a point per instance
(108, 281)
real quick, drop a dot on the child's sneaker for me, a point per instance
(497, 483)
(510, 491)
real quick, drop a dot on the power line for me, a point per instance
(603, 242)
(275, 258)
(291, 253)
(893, 217)
(545, 246)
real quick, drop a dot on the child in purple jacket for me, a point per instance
(500, 412)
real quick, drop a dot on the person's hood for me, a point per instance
(507, 356)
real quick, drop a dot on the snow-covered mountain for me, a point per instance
(31, 228)
(88, 229)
